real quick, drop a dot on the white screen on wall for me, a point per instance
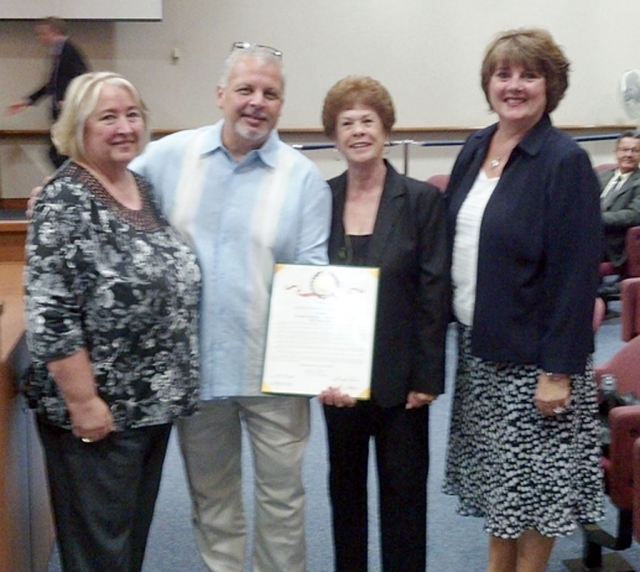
(82, 9)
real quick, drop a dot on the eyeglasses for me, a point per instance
(249, 45)
(623, 150)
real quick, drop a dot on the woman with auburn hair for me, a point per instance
(524, 217)
(386, 220)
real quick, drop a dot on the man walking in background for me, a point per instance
(66, 63)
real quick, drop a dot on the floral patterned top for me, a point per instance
(124, 285)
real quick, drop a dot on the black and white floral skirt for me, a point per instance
(511, 465)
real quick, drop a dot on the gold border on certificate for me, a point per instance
(321, 330)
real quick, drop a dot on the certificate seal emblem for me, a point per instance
(324, 284)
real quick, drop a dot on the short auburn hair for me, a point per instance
(351, 91)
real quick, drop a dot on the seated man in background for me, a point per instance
(620, 198)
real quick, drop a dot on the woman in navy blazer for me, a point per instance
(386, 220)
(524, 218)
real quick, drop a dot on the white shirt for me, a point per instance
(464, 270)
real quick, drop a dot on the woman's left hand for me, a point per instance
(416, 399)
(552, 395)
(333, 396)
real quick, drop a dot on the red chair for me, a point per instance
(624, 365)
(440, 181)
(624, 425)
(599, 311)
(636, 490)
(632, 266)
(605, 167)
(632, 246)
(630, 308)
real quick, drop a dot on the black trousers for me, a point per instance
(103, 495)
(402, 457)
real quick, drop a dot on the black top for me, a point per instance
(357, 246)
(409, 246)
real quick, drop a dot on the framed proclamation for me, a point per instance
(321, 330)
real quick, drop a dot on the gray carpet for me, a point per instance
(455, 544)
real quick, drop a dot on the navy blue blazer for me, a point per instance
(409, 245)
(540, 246)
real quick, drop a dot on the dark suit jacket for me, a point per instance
(69, 65)
(539, 251)
(621, 213)
(409, 245)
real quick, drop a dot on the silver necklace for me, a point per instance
(494, 163)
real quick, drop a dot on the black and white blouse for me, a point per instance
(124, 285)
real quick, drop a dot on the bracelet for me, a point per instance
(556, 376)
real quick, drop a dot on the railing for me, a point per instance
(12, 175)
(407, 144)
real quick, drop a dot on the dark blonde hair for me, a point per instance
(80, 101)
(533, 49)
(351, 91)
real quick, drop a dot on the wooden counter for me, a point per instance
(26, 530)
(12, 236)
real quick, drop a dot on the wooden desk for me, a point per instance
(26, 529)
(12, 236)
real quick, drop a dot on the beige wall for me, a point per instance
(426, 52)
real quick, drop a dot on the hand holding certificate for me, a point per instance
(321, 330)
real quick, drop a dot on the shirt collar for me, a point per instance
(267, 153)
(533, 141)
(623, 176)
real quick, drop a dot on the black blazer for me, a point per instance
(409, 245)
(622, 212)
(69, 65)
(539, 250)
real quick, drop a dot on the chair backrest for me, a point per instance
(630, 308)
(636, 490)
(606, 268)
(632, 247)
(625, 366)
(441, 181)
(599, 311)
(624, 423)
(604, 167)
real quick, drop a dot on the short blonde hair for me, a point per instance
(351, 91)
(534, 49)
(80, 101)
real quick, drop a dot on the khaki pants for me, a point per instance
(211, 442)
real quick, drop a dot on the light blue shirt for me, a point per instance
(274, 206)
